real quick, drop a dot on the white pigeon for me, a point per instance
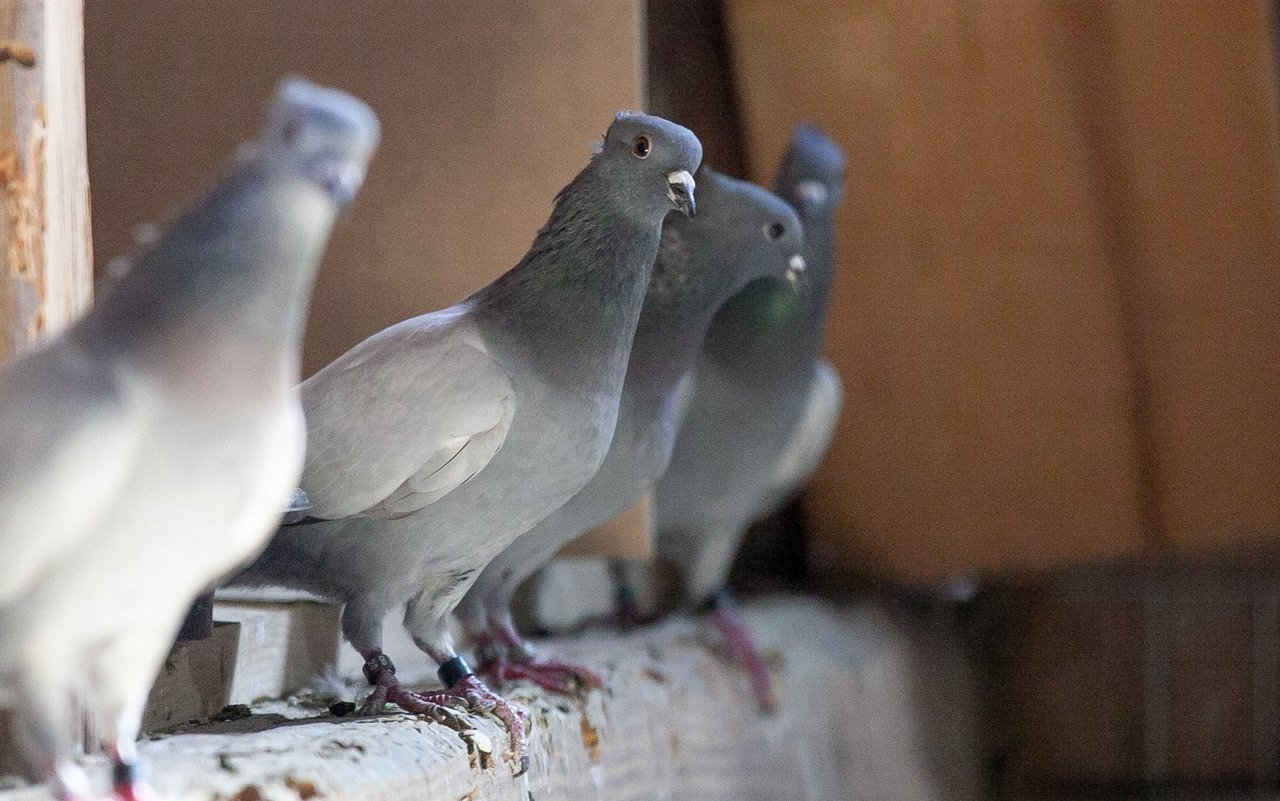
(147, 451)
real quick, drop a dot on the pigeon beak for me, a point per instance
(341, 178)
(680, 191)
(794, 269)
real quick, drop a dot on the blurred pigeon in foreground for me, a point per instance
(762, 406)
(741, 233)
(148, 450)
(436, 442)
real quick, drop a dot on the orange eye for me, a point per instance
(642, 146)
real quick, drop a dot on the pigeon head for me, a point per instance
(651, 162)
(811, 176)
(326, 136)
(741, 233)
(239, 262)
(751, 229)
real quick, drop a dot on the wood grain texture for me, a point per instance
(47, 274)
(487, 108)
(872, 708)
(988, 419)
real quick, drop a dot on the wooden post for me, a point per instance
(47, 270)
(46, 265)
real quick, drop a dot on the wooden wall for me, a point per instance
(488, 108)
(1056, 316)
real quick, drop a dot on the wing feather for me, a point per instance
(404, 418)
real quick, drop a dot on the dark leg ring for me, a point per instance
(378, 665)
(454, 671)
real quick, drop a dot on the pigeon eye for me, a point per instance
(774, 230)
(641, 147)
(290, 131)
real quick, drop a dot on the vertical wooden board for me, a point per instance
(1076, 689)
(1211, 683)
(46, 270)
(1192, 106)
(488, 109)
(68, 241)
(988, 400)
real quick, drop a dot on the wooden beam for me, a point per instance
(47, 271)
(872, 707)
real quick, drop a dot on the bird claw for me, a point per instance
(480, 698)
(447, 706)
(551, 675)
(744, 653)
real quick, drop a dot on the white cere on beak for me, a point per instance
(812, 192)
(680, 191)
(794, 268)
(342, 178)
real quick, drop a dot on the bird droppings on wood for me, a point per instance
(231, 712)
(342, 708)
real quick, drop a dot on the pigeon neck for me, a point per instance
(673, 322)
(771, 327)
(572, 303)
(220, 300)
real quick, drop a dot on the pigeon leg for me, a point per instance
(724, 614)
(126, 784)
(381, 673)
(627, 614)
(45, 728)
(426, 618)
(507, 657)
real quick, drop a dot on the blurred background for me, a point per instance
(1056, 312)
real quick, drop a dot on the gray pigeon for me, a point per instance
(436, 442)
(762, 406)
(149, 448)
(741, 233)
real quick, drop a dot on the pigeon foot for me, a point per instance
(551, 675)
(742, 646)
(480, 698)
(463, 692)
(126, 784)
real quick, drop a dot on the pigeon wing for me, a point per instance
(404, 418)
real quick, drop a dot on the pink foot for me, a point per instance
(126, 784)
(551, 675)
(134, 791)
(466, 692)
(724, 614)
(480, 698)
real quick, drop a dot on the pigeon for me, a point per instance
(149, 448)
(741, 233)
(761, 410)
(436, 442)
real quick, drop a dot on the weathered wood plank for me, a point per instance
(870, 709)
(47, 273)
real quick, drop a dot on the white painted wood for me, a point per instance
(871, 709)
